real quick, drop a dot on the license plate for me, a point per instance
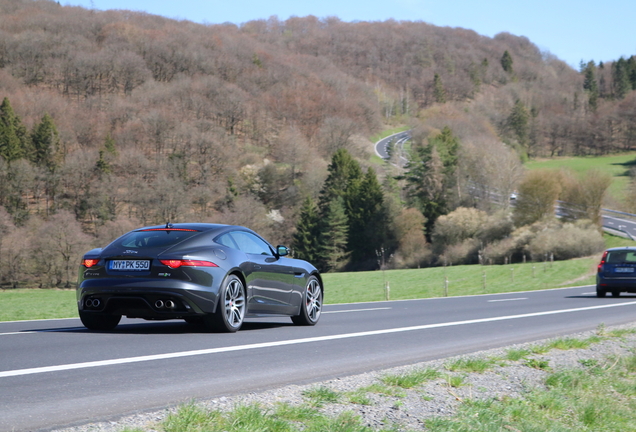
(130, 265)
(624, 269)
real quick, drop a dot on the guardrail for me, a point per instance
(619, 212)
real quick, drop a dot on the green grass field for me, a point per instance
(30, 304)
(617, 166)
(462, 280)
(24, 304)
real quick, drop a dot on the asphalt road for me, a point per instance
(55, 373)
(620, 224)
(399, 139)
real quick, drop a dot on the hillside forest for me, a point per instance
(114, 120)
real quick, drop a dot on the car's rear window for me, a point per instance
(153, 238)
(623, 256)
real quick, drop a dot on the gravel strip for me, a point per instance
(409, 410)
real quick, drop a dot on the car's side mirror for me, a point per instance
(282, 250)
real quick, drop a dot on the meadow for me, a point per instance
(26, 304)
(618, 166)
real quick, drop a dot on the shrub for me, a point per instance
(496, 227)
(496, 252)
(413, 251)
(457, 226)
(547, 236)
(538, 192)
(462, 253)
(570, 241)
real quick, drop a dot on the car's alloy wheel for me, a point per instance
(312, 304)
(231, 308)
(93, 321)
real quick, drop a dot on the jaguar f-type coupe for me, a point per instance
(208, 274)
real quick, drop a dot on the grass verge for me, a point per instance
(597, 395)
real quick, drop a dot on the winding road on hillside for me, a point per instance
(55, 372)
(619, 222)
(399, 139)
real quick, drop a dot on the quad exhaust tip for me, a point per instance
(168, 304)
(92, 303)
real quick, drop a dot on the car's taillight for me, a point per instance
(600, 266)
(88, 263)
(176, 263)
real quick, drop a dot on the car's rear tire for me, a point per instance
(230, 311)
(93, 321)
(600, 292)
(616, 293)
(312, 304)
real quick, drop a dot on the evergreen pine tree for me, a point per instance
(109, 145)
(368, 224)
(590, 84)
(631, 71)
(438, 89)
(45, 144)
(506, 62)
(12, 133)
(620, 76)
(519, 122)
(102, 166)
(334, 253)
(344, 174)
(431, 174)
(305, 241)
(447, 146)
(589, 74)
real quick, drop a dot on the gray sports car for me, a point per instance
(213, 275)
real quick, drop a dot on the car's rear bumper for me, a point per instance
(145, 298)
(616, 284)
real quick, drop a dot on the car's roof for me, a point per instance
(198, 226)
(622, 248)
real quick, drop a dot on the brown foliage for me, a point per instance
(413, 250)
(538, 192)
(583, 196)
(235, 122)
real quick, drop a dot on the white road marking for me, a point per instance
(356, 310)
(67, 329)
(505, 300)
(73, 366)
(589, 293)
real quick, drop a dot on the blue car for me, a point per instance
(617, 272)
(208, 274)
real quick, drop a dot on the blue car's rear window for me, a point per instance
(621, 257)
(153, 238)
